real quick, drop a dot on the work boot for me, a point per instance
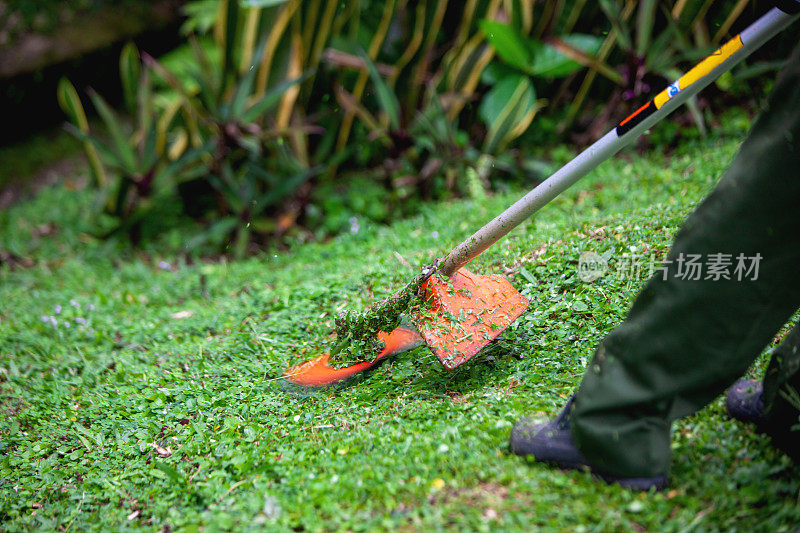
(743, 401)
(552, 443)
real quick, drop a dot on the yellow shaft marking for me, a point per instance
(701, 69)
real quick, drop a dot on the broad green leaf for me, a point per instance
(495, 71)
(129, 69)
(386, 97)
(121, 143)
(508, 111)
(509, 44)
(70, 103)
(494, 103)
(144, 103)
(148, 156)
(551, 63)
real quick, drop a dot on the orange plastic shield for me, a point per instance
(465, 313)
(317, 373)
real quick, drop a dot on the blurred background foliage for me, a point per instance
(282, 120)
(44, 16)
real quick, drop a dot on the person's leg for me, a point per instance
(773, 404)
(686, 340)
(781, 394)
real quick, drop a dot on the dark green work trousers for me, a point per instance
(686, 340)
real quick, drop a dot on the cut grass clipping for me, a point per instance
(356, 333)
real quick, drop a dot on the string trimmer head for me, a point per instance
(455, 317)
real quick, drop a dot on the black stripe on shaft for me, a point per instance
(633, 120)
(790, 7)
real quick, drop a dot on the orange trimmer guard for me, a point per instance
(317, 372)
(465, 313)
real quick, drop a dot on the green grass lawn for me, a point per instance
(142, 392)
